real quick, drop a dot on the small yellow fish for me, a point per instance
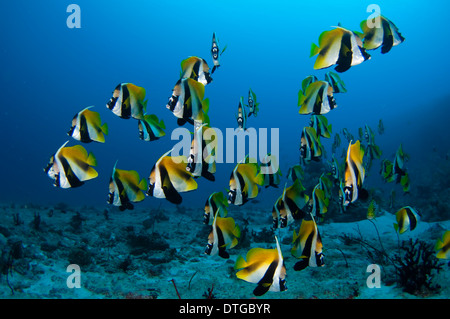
(372, 210)
(443, 246)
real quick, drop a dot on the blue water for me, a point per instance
(50, 72)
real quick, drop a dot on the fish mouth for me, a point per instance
(348, 194)
(283, 285)
(111, 103)
(151, 187)
(208, 249)
(172, 102)
(303, 151)
(70, 132)
(110, 198)
(231, 196)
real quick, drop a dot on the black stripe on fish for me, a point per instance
(196, 69)
(412, 219)
(302, 264)
(84, 132)
(344, 61)
(169, 191)
(388, 37)
(267, 280)
(221, 244)
(70, 175)
(319, 101)
(125, 110)
(205, 173)
(187, 111)
(242, 185)
(297, 212)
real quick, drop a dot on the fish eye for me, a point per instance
(283, 286)
(303, 151)
(348, 192)
(231, 196)
(208, 249)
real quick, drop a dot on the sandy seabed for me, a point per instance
(142, 253)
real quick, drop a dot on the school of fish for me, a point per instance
(72, 166)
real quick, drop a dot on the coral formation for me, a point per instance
(417, 268)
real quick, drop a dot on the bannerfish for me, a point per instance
(290, 205)
(341, 200)
(125, 188)
(198, 163)
(325, 184)
(443, 246)
(310, 146)
(407, 219)
(387, 171)
(71, 166)
(380, 127)
(215, 52)
(264, 267)
(399, 170)
(128, 101)
(241, 116)
(87, 127)
(335, 81)
(340, 47)
(385, 36)
(336, 142)
(373, 151)
(151, 128)
(399, 161)
(317, 99)
(244, 181)
(306, 82)
(354, 172)
(320, 124)
(169, 177)
(216, 203)
(187, 102)
(197, 69)
(361, 133)
(318, 203)
(224, 234)
(252, 104)
(295, 172)
(271, 177)
(369, 136)
(372, 209)
(348, 136)
(335, 169)
(307, 246)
